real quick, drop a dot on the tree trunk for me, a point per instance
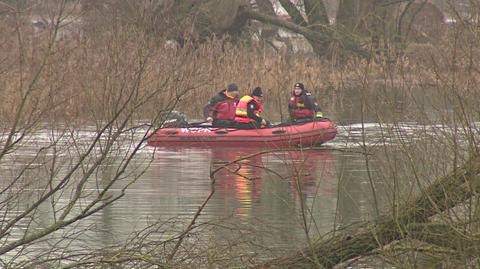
(293, 12)
(316, 14)
(265, 6)
(444, 194)
(270, 33)
(450, 236)
(319, 22)
(313, 37)
(346, 15)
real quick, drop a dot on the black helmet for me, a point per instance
(299, 85)
(232, 87)
(257, 92)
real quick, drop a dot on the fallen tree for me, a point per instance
(444, 194)
(353, 30)
(345, 39)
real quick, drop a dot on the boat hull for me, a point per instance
(306, 134)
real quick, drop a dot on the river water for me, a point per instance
(267, 203)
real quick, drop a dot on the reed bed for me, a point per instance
(81, 76)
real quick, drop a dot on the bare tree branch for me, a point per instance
(317, 14)
(294, 13)
(313, 36)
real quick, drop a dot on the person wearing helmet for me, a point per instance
(220, 110)
(302, 105)
(247, 115)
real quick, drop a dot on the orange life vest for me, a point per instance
(297, 108)
(241, 114)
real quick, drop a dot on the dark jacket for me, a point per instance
(221, 107)
(252, 106)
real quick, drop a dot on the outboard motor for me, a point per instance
(174, 119)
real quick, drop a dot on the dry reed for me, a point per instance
(83, 68)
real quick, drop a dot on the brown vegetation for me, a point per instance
(123, 71)
(76, 67)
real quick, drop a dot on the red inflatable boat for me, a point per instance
(306, 134)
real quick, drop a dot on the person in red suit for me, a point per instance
(220, 110)
(302, 105)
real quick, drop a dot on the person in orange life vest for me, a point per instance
(302, 105)
(220, 110)
(247, 115)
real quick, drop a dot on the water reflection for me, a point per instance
(261, 195)
(255, 189)
(271, 186)
(259, 192)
